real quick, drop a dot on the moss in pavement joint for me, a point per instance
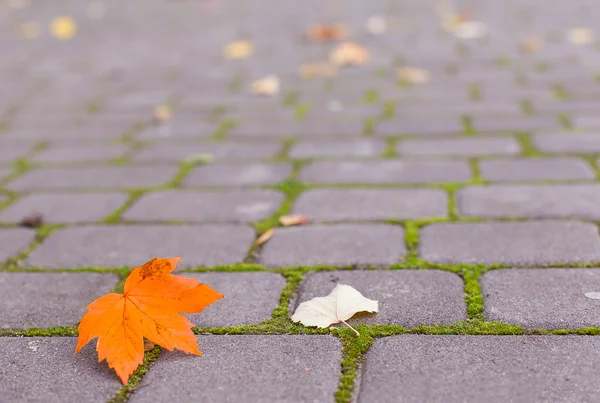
(389, 110)
(291, 98)
(390, 148)
(125, 392)
(370, 96)
(527, 147)
(560, 92)
(476, 172)
(527, 107)
(353, 351)
(468, 128)
(474, 92)
(64, 331)
(223, 130)
(301, 110)
(369, 126)
(565, 121)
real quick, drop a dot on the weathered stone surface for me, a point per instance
(533, 201)
(542, 298)
(371, 204)
(468, 146)
(178, 129)
(338, 245)
(10, 151)
(238, 174)
(279, 128)
(568, 142)
(88, 153)
(385, 172)
(13, 241)
(117, 245)
(250, 297)
(406, 297)
(195, 206)
(49, 299)
(511, 243)
(44, 369)
(517, 123)
(420, 127)
(64, 207)
(94, 177)
(347, 148)
(461, 369)
(254, 368)
(172, 152)
(532, 169)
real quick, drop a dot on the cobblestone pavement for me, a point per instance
(473, 199)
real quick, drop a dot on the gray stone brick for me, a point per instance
(44, 369)
(280, 128)
(387, 171)
(542, 298)
(253, 368)
(193, 206)
(515, 123)
(13, 241)
(79, 133)
(238, 175)
(64, 208)
(133, 245)
(532, 169)
(568, 142)
(459, 146)
(218, 150)
(94, 177)
(535, 201)
(511, 243)
(458, 369)
(10, 151)
(433, 127)
(89, 153)
(250, 297)
(406, 298)
(371, 204)
(49, 299)
(337, 245)
(177, 129)
(347, 148)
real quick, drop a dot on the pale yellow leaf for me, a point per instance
(63, 27)
(581, 36)
(241, 49)
(470, 30)
(313, 70)
(376, 25)
(266, 86)
(161, 114)
(326, 32)
(293, 219)
(349, 54)
(531, 44)
(413, 75)
(265, 237)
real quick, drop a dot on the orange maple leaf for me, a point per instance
(148, 308)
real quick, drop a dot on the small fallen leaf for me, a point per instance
(531, 44)
(293, 219)
(265, 237)
(266, 86)
(326, 32)
(29, 30)
(241, 49)
(349, 54)
(148, 345)
(413, 75)
(470, 30)
(161, 114)
(63, 27)
(580, 36)
(313, 70)
(149, 307)
(376, 25)
(593, 295)
(339, 306)
(33, 220)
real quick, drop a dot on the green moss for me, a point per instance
(354, 349)
(565, 121)
(474, 92)
(527, 147)
(301, 110)
(291, 98)
(560, 92)
(527, 107)
(467, 123)
(390, 149)
(369, 126)
(389, 110)
(40, 332)
(123, 394)
(223, 130)
(236, 84)
(370, 96)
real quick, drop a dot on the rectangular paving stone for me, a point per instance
(532, 201)
(175, 129)
(193, 206)
(14, 241)
(252, 368)
(250, 297)
(371, 204)
(468, 146)
(49, 299)
(568, 142)
(10, 151)
(514, 123)
(387, 171)
(338, 245)
(218, 150)
(88, 153)
(406, 298)
(459, 369)
(79, 133)
(64, 207)
(533, 169)
(134, 245)
(253, 174)
(94, 177)
(542, 298)
(44, 369)
(347, 148)
(511, 243)
(433, 127)
(276, 128)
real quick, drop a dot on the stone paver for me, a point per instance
(170, 152)
(337, 245)
(94, 177)
(280, 129)
(238, 175)
(64, 207)
(420, 127)
(542, 298)
(250, 297)
(49, 299)
(44, 369)
(459, 146)
(193, 129)
(568, 143)
(517, 123)
(333, 149)
(511, 243)
(271, 368)
(13, 241)
(473, 369)
(406, 297)
(371, 204)
(532, 201)
(195, 206)
(535, 169)
(10, 151)
(386, 172)
(133, 245)
(72, 154)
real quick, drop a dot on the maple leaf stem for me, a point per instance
(355, 331)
